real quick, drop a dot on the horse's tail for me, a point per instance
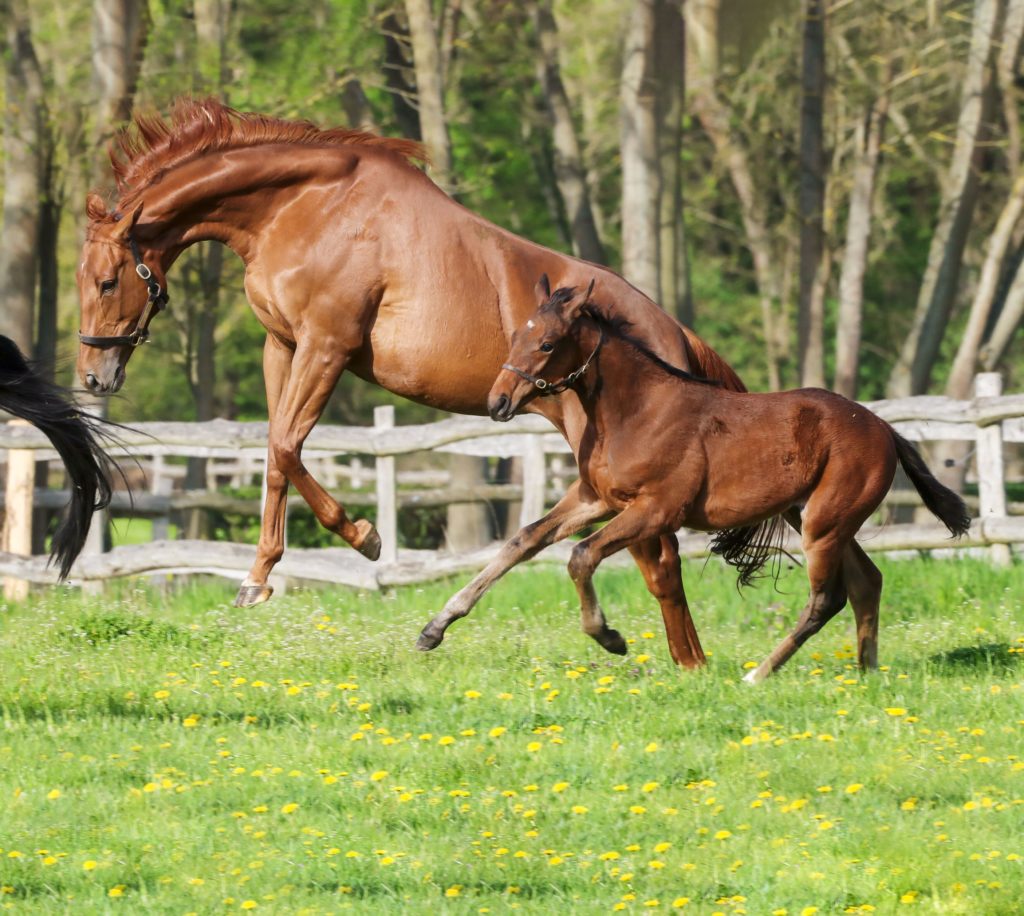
(942, 502)
(748, 548)
(73, 433)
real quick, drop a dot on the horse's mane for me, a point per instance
(151, 145)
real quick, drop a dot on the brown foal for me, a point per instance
(354, 260)
(664, 449)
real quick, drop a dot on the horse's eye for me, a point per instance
(547, 347)
(108, 285)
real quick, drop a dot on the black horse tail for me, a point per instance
(749, 548)
(942, 502)
(76, 437)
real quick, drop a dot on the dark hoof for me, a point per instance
(428, 641)
(369, 546)
(249, 595)
(612, 641)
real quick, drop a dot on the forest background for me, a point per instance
(830, 193)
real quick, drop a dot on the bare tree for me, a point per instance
(811, 308)
(24, 112)
(912, 371)
(430, 90)
(639, 147)
(570, 173)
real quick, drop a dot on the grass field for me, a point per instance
(163, 752)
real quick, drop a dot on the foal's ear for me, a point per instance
(576, 304)
(543, 289)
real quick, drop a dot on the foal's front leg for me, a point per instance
(578, 508)
(640, 521)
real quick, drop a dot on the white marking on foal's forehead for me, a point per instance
(529, 323)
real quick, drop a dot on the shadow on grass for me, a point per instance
(993, 656)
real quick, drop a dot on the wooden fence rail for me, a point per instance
(989, 420)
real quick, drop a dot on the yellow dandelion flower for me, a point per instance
(895, 710)
(608, 856)
(723, 834)
(808, 911)
(190, 721)
(196, 882)
(117, 890)
(162, 694)
(53, 794)
(651, 748)
(909, 897)
(472, 694)
(445, 740)
(533, 747)
(249, 904)
(680, 902)
(378, 775)
(637, 809)
(854, 787)
(580, 809)
(640, 659)
(662, 847)
(560, 787)
(453, 891)
(289, 808)
(606, 680)
(655, 864)
(649, 786)
(89, 864)
(497, 731)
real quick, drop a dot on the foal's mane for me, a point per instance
(151, 145)
(619, 326)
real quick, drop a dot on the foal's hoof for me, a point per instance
(612, 641)
(428, 641)
(369, 546)
(249, 595)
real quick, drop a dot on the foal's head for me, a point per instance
(545, 356)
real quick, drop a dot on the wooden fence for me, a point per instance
(989, 421)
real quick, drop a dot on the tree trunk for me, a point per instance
(570, 174)
(913, 369)
(675, 294)
(430, 90)
(120, 29)
(358, 111)
(810, 315)
(1009, 321)
(639, 148)
(702, 60)
(855, 254)
(1006, 75)
(398, 74)
(23, 130)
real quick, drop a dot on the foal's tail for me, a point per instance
(942, 502)
(75, 436)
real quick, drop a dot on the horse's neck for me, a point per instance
(230, 196)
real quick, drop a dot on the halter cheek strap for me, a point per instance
(546, 388)
(155, 302)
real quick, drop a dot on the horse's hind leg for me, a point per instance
(572, 513)
(828, 597)
(658, 559)
(864, 584)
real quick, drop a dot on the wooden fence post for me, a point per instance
(534, 480)
(989, 460)
(17, 533)
(387, 491)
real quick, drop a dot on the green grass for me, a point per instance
(185, 756)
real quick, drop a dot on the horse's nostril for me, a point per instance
(499, 407)
(91, 382)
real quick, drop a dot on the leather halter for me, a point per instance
(546, 388)
(155, 302)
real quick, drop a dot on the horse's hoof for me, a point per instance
(753, 678)
(250, 595)
(428, 641)
(369, 546)
(613, 642)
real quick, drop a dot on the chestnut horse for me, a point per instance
(665, 449)
(354, 260)
(75, 435)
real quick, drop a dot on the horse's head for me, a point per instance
(545, 356)
(120, 288)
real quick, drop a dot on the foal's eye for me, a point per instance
(108, 285)
(547, 347)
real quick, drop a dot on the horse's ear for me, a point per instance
(95, 207)
(126, 223)
(590, 289)
(543, 289)
(575, 305)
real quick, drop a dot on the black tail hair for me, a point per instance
(75, 435)
(942, 502)
(750, 547)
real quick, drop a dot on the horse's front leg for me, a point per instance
(277, 364)
(579, 507)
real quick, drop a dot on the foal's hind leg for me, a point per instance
(864, 583)
(573, 512)
(658, 559)
(828, 596)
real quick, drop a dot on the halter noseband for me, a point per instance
(154, 303)
(546, 388)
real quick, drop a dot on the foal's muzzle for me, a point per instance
(500, 409)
